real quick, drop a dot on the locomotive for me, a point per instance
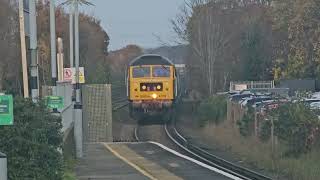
(152, 85)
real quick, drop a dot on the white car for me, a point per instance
(315, 95)
(315, 105)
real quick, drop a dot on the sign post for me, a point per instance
(6, 110)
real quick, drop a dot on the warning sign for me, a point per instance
(81, 75)
(69, 74)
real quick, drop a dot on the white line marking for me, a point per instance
(123, 142)
(196, 161)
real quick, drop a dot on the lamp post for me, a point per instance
(78, 134)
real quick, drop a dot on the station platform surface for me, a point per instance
(137, 161)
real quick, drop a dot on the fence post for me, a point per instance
(255, 123)
(3, 167)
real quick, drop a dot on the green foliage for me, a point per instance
(32, 143)
(69, 169)
(214, 109)
(246, 123)
(256, 50)
(265, 131)
(298, 23)
(294, 123)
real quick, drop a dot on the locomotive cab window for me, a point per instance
(139, 72)
(161, 71)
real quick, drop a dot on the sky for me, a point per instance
(137, 22)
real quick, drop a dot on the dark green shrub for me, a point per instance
(214, 109)
(294, 123)
(246, 123)
(265, 131)
(32, 143)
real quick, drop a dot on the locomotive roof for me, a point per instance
(150, 59)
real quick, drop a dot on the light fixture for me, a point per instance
(154, 96)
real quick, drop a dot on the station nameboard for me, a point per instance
(6, 110)
(55, 102)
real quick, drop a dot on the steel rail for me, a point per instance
(210, 159)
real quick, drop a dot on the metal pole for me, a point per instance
(34, 52)
(71, 35)
(78, 106)
(60, 58)
(3, 167)
(76, 32)
(23, 51)
(53, 46)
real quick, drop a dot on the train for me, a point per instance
(152, 85)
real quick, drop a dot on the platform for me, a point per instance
(138, 161)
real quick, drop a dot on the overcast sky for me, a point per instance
(136, 21)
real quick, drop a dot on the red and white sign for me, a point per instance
(67, 74)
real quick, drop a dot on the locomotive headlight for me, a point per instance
(144, 87)
(154, 96)
(158, 87)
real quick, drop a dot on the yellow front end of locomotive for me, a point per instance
(151, 83)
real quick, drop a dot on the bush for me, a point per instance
(214, 109)
(32, 143)
(295, 124)
(246, 123)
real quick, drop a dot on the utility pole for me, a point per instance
(78, 106)
(53, 47)
(34, 81)
(23, 51)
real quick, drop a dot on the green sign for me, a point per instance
(55, 102)
(6, 110)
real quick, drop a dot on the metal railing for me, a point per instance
(242, 85)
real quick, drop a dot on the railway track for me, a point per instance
(204, 156)
(120, 103)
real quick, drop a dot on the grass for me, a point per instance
(253, 152)
(69, 169)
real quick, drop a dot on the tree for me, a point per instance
(32, 143)
(93, 44)
(120, 59)
(298, 21)
(229, 40)
(9, 48)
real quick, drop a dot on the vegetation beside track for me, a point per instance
(292, 152)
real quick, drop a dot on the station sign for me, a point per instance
(55, 102)
(6, 110)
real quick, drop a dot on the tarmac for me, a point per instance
(139, 161)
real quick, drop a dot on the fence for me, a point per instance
(242, 85)
(64, 89)
(97, 113)
(298, 85)
(234, 112)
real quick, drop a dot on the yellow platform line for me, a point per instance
(145, 173)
